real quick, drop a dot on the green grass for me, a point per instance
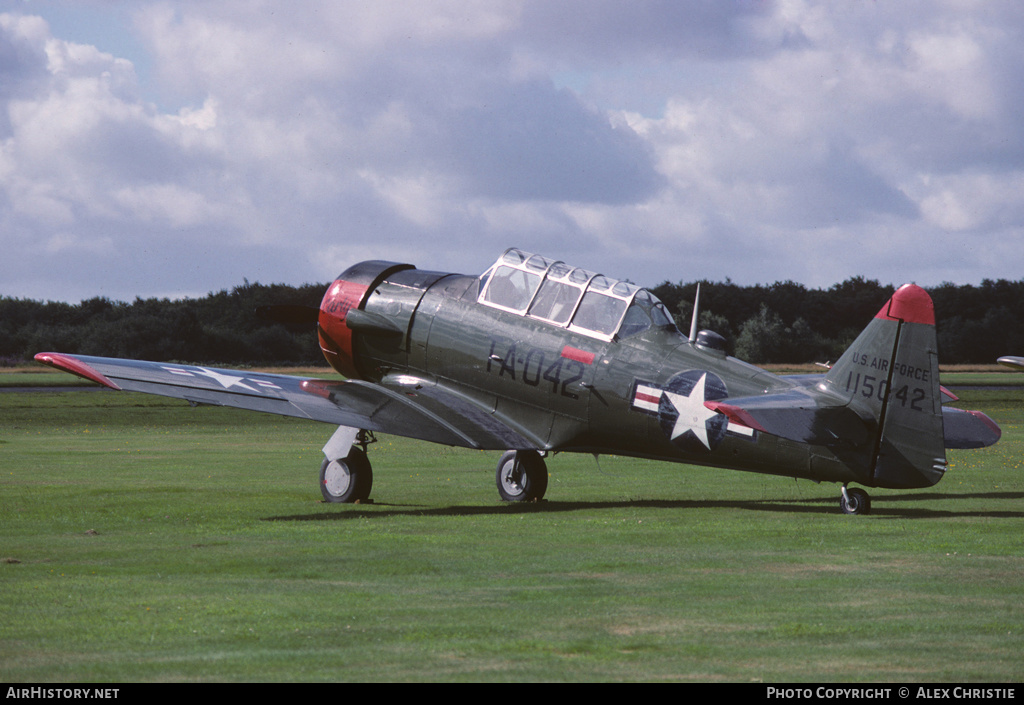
(144, 540)
(41, 379)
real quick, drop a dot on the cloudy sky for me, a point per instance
(175, 147)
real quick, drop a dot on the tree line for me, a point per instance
(784, 322)
(221, 328)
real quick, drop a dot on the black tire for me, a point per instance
(346, 480)
(522, 476)
(855, 501)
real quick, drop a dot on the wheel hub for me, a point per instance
(337, 478)
(511, 478)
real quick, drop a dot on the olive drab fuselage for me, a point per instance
(560, 387)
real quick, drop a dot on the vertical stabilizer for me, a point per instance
(891, 375)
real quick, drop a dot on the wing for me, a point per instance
(403, 406)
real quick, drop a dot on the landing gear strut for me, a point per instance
(854, 501)
(522, 476)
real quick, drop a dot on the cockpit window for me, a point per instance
(588, 303)
(511, 288)
(538, 263)
(580, 276)
(660, 316)
(599, 313)
(514, 257)
(624, 289)
(636, 321)
(556, 301)
(645, 312)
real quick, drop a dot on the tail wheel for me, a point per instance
(347, 479)
(522, 476)
(855, 501)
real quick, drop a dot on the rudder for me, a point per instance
(891, 375)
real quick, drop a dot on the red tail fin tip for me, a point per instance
(910, 304)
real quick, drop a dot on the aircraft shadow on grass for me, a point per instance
(816, 505)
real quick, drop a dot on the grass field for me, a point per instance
(144, 540)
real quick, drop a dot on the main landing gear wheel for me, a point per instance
(855, 501)
(348, 479)
(522, 476)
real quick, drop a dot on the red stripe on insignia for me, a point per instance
(650, 398)
(571, 353)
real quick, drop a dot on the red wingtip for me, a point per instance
(910, 304)
(75, 367)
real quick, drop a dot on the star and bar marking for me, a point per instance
(692, 414)
(225, 380)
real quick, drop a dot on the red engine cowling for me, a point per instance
(349, 291)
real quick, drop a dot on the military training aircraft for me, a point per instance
(536, 357)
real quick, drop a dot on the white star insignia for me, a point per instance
(693, 415)
(226, 381)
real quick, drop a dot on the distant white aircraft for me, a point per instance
(1016, 363)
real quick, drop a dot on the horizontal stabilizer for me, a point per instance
(795, 416)
(968, 429)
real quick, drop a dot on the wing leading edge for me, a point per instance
(403, 406)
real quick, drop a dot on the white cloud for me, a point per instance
(973, 201)
(66, 242)
(654, 140)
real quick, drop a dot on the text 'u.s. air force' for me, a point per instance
(909, 381)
